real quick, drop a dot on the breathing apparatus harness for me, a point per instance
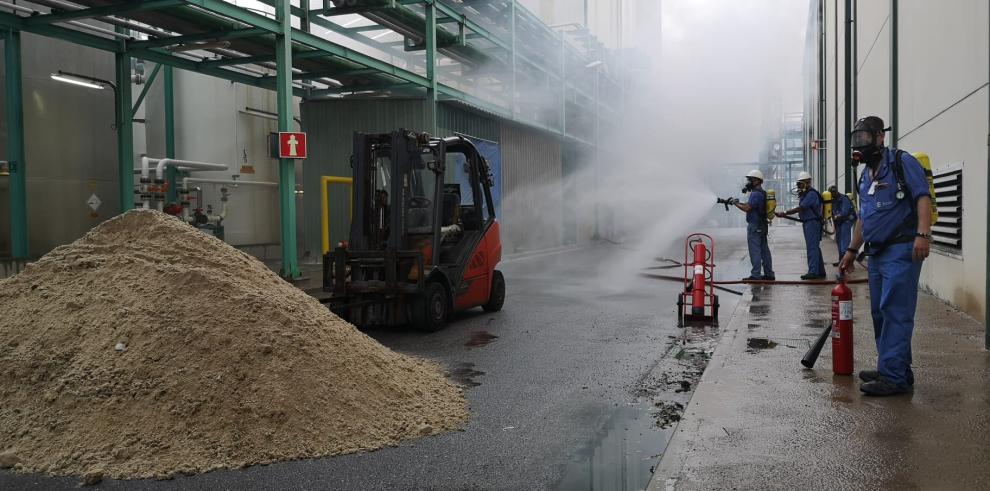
(906, 232)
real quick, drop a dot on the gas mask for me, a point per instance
(865, 149)
(750, 185)
(802, 187)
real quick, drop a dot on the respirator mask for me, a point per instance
(802, 187)
(864, 148)
(750, 185)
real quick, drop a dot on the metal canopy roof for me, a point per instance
(220, 39)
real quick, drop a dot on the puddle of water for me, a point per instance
(479, 339)
(759, 310)
(755, 344)
(464, 374)
(621, 454)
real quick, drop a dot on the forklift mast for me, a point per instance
(411, 227)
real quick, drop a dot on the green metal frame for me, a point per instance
(221, 21)
(125, 132)
(168, 96)
(13, 102)
(144, 90)
(286, 167)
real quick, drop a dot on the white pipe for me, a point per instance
(160, 168)
(232, 182)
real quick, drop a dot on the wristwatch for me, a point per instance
(923, 235)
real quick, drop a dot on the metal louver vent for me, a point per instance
(947, 232)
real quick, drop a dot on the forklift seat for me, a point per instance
(451, 208)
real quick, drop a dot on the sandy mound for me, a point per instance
(146, 348)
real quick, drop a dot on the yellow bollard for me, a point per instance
(325, 205)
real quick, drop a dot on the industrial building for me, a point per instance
(890, 59)
(487, 244)
(519, 84)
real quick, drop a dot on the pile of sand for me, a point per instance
(147, 348)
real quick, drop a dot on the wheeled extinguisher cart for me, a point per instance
(698, 304)
(842, 328)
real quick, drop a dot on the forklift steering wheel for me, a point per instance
(419, 202)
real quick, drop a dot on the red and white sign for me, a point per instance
(291, 145)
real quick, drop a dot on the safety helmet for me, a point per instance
(804, 176)
(755, 173)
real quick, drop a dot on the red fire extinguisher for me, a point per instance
(698, 285)
(842, 328)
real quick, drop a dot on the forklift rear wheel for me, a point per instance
(430, 312)
(497, 297)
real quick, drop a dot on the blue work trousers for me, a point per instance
(759, 250)
(812, 244)
(893, 299)
(843, 234)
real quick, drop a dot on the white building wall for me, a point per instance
(943, 107)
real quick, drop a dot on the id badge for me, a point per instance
(873, 189)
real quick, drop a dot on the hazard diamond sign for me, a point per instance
(291, 145)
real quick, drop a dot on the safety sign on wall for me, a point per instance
(288, 145)
(94, 202)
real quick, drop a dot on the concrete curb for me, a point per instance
(672, 461)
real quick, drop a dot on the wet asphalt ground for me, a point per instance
(554, 382)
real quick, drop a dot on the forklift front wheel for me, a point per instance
(497, 297)
(431, 310)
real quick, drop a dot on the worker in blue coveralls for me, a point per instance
(895, 223)
(809, 212)
(844, 217)
(756, 227)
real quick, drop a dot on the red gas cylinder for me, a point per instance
(842, 328)
(698, 285)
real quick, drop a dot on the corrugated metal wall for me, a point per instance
(69, 145)
(532, 189)
(330, 125)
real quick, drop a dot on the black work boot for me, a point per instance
(881, 388)
(871, 375)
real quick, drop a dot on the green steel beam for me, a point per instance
(113, 9)
(125, 132)
(14, 22)
(430, 37)
(219, 35)
(362, 88)
(144, 90)
(286, 167)
(14, 106)
(239, 14)
(246, 60)
(168, 92)
(331, 74)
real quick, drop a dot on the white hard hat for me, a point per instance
(804, 176)
(755, 173)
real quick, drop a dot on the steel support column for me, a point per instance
(168, 92)
(286, 167)
(512, 27)
(13, 100)
(986, 258)
(431, 67)
(125, 132)
(563, 85)
(848, 95)
(894, 113)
